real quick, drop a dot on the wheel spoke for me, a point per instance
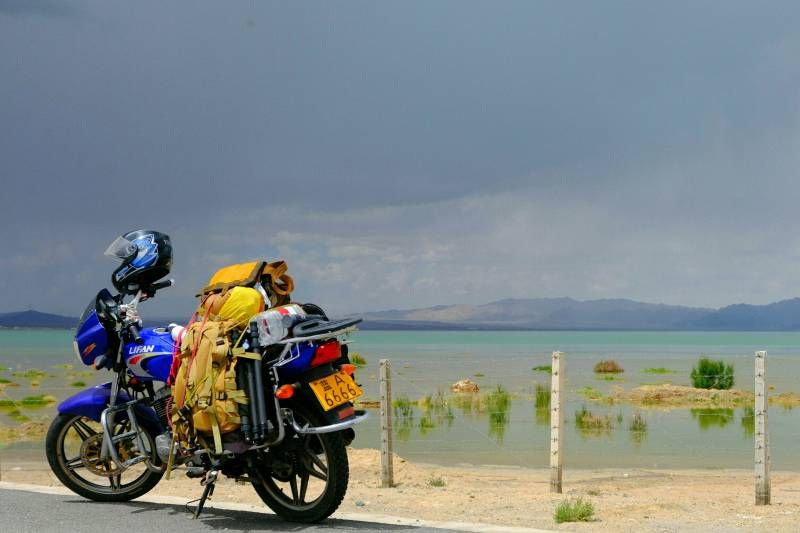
(323, 469)
(303, 486)
(293, 484)
(83, 430)
(75, 463)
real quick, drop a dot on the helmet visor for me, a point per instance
(121, 249)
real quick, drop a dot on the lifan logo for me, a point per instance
(134, 350)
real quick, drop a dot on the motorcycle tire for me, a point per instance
(62, 434)
(329, 450)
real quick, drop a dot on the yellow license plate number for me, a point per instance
(334, 390)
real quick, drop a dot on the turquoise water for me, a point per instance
(515, 432)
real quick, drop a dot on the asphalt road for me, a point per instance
(22, 511)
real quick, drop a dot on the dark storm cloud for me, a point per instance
(45, 8)
(571, 140)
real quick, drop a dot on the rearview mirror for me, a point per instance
(107, 307)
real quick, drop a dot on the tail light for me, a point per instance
(326, 353)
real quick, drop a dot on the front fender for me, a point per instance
(92, 402)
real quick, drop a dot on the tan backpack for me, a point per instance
(205, 400)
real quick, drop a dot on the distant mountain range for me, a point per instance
(569, 314)
(539, 314)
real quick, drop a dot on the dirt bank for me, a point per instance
(626, 500)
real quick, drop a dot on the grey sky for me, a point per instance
(405, 154)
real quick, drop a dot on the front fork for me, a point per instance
(108, 448)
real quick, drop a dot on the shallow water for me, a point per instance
(512, 431)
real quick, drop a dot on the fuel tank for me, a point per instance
(152, 359)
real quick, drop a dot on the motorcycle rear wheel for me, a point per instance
(83, 473)
(299, 458)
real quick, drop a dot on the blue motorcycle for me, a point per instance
(113, 442)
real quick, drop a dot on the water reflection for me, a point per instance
(710, 418)
(748, 422)
(638, 428)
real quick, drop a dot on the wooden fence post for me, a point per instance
(556, 422)
(387, 468)
(762, 459)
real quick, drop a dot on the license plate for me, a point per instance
(334, 390)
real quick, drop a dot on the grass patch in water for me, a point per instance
(590, 393)
(3, 369)
(608, 367)
(478, 374)
(608, 377)
(39, 400)
(64, 366)
(4, 381)
(17, 416)
(585, 420)
(658, 370)
(577, 510)
(668, 395)
(77, 384)
(31, 373)
(543, 368)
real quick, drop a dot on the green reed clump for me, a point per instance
(3, 369)
(608, 367)
(587, 421)
(608, 377)
(638, 423)
(403, 407)
(543, 368)
(577, 510)
(4, 381)
(358, 359)
(77, 384)
(478, 374)
(712, 374)
(498, 403)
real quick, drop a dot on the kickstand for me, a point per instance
(209, 481)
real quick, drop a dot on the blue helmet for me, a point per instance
(146, 257)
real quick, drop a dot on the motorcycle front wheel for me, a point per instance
(305, 477)
(73, 451)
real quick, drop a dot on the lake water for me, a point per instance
(510, 429)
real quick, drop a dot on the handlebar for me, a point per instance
(133, 331)
(163, 284)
